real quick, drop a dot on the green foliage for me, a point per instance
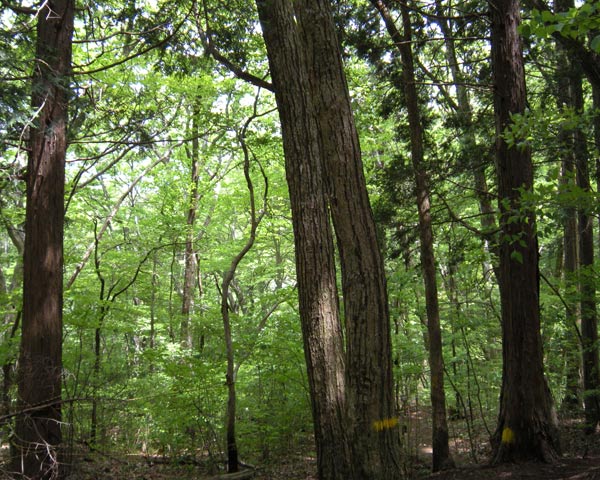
(141, 79)
(576, 23)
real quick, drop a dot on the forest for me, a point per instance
(299, 239)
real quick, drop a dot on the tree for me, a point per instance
(309, 79)
(255, 219)
(366, 312)
(441, 458)
(527, 426)
(315, 267)
(38, 429)
(587, 287)
(189, 275)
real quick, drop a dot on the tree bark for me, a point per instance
(315, 267)
(441, 451)
(38, 434)
(527, 425)
(375, 439)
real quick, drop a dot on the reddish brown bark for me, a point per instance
(527, 427)
(38, 434)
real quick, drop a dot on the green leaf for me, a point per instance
(547, 16)
(517, 256)
(595, 45)
(525, 30)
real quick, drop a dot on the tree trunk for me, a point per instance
(38, 435)
(527, 425)
(370, 393)
(232, 450)
(189, 275)
(587, 286)
(571, 401)
(315, 267)
(441, 451)
(565, 100)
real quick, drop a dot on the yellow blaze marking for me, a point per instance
(508, 436)
(385, 424)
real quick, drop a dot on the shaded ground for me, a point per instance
(567, 468)
(581, 461)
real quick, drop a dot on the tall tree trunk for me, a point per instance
(37, 434)
(190, 268)
(587, 286)
(315, 266)
(527, 425)
(565, 100)
(441, 451)
(572, 348)
(370, 392)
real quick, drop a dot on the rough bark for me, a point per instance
(527, 425)
(38, 434)
(315, 267)
(375, 439)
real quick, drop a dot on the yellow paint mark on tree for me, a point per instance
(385, 424)
(508, 436)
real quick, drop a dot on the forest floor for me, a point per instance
(580, 461)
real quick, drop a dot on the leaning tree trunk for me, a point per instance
(527, 426)
(370, 393)
(315, 265)
(37, 433)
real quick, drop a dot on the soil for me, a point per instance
(580, 461)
